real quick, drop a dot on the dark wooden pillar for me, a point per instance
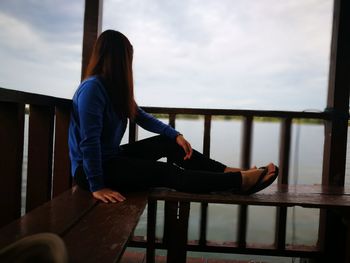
(338, 97)
(92, 28)
(332, 231)
(11, 157)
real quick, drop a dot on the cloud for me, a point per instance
(40, 47)
(196, 53)
(214, 50)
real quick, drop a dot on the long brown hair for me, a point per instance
(111, 59)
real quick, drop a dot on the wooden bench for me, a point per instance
(92, 231)
(177, 207)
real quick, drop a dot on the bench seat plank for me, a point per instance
(103, 233)
(55, 216)
(311, 196)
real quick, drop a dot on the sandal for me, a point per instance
(252, 190)
(261, 184)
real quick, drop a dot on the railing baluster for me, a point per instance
(39, 156)
(167, 223)
(281, 212)
(177, 231)
(151, 230)
(11, 158)
(61, 180)
(247, 135)
(167, 207)
(204, 206)
(245, 164)
(285, 141)
(172, 118)
(206, 138)
(133, 131)
(170, 214)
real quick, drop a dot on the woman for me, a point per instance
(103, 103)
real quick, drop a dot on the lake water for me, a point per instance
(305, 168)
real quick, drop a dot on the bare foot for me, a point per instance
(250, 178)
(233, 169)
(270, 173)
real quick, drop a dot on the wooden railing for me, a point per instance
(202, 244)
(48, 161)
(48, 172)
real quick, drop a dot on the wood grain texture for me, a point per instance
(62, 179)
(40, 149)
(315, 196)
(105, 230)
(55, 216)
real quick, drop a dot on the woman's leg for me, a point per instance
(134, 174)
(137, 169)
(127, 174)
(156, 147)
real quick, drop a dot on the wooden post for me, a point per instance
(281, 212)
(336, 129)
(177, 231)
(285, 141)
(247, 134)
(151, 230)
(331, 234)
(62, 179)
(40, 142)
(204, 206)
(172, 119)
(92, 28)
(11, 157)
(133, 131)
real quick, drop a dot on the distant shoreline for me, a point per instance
(238, 118)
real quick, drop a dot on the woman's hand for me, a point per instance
(180, 140)
(107, 195)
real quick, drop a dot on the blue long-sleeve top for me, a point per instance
(95, 130)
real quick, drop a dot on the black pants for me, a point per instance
(137, 169)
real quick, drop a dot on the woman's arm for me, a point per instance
(150, 123)
(91, 103)
(107, 195)
(180, 140)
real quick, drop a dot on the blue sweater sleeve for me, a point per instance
(91, 103)
(150, 123)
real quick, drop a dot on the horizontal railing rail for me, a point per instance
(243, 113)
(8, 95)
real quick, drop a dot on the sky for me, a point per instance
(231, 54)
